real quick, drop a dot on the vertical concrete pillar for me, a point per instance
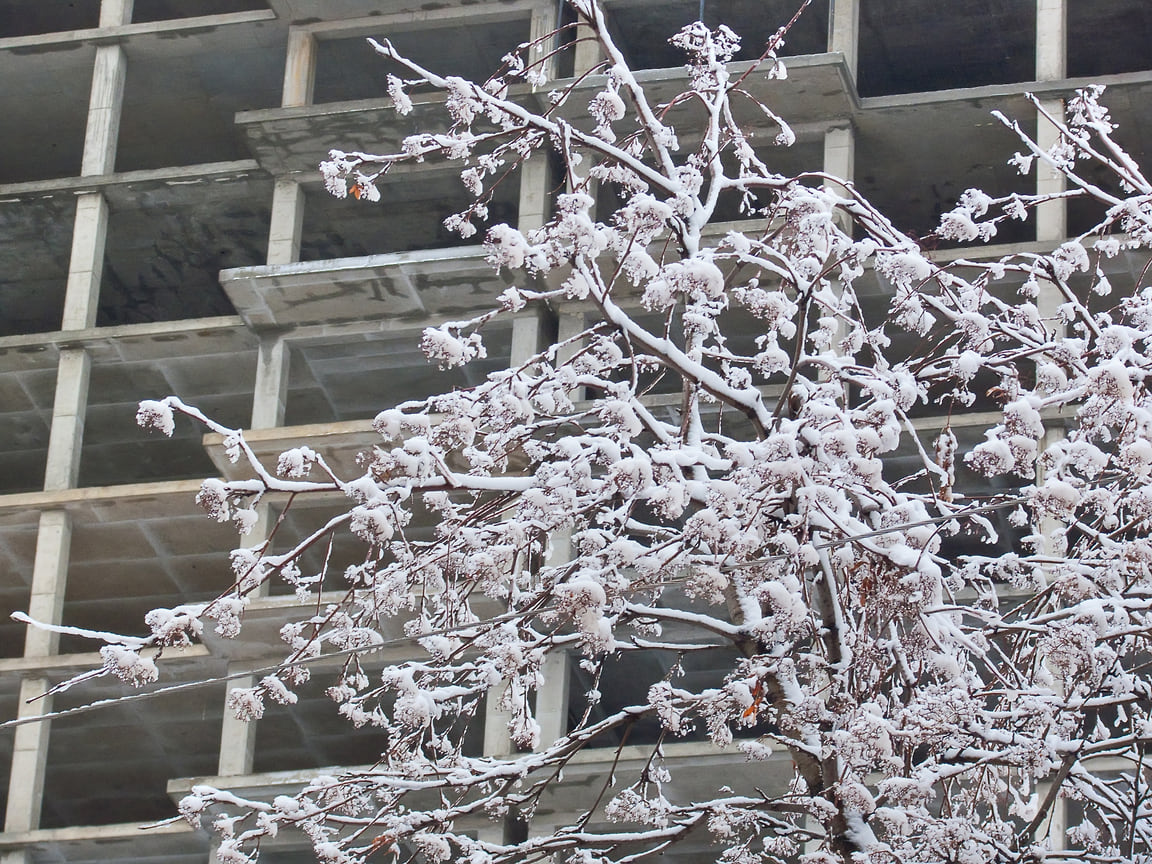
(270, 395)
(237, 738)
(543, 23)
(29, 758)
(552, 699)
(1051, 65)
(1051, 229)
(497, 741)
(104, 104)
(30, 746)
(535, 184)
(840, 161)
(844, 31)
(527, 339)
(89, 233)
(114, 12)
(299, 69)
(67, 431)
(1051, 216)
(49, 577)
(54, 534)
(287, 222)
(1051, 39)
(569, 325)
(588, 53)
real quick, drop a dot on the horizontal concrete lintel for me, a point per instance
(60, 339)
(181, 175)
(992, 92)
(68, 664)
(599, 758)
(431, 17)
(322, 271)
(193, 337)
(122, 32)
(75, 498)
(83, 833)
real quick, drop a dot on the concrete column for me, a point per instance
(49, 576)
(237, 738)
(497, 741)
(115, 12)
(844, 31)
(588, 52)
(1051, 65)
(30, 746)
(535, 184)
(1051, 39)
(68, 407)
(299, 69)
(287, 222)
(543, 23)
(89, 232)
(271, 390)
(104, 106)
(552, 699)
(569, 324)
(54, 535)
(840, 161)
(29, 758)
(1051, 216)
(527, 339)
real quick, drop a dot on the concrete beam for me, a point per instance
(66, 665)
(83, 833)
(414, 19)
(125, 32)
(183, 175)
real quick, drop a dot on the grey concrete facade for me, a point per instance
(163, 229)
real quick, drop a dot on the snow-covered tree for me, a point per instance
(936, 679)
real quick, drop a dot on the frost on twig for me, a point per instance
(736, 458)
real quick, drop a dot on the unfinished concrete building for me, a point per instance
(163, 229)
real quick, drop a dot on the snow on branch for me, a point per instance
(902, 507)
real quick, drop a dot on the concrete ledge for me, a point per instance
(123, 32)
(80, 833)
(194, 337)
(402, 286)
(69, 664)
(129, 493)
(210, 172)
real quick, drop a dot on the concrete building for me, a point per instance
(163, 229)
